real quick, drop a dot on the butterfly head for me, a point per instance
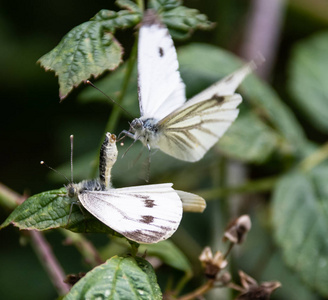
(72, 190)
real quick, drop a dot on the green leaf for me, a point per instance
(308, 81)
(169, 253)
(118, 278)
(249, 139)
(50, 210)
(180, 20)
(89, 49)
(201, 65)
(300, 219)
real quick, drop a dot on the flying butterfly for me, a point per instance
(184, 130)
(144, 214)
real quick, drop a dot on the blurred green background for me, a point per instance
(35, 126)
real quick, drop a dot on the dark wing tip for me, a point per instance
(151, 18)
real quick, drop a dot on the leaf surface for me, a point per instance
(52, 209)
(118, 278)
(300, 218)
(308, 80)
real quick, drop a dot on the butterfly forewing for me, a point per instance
(190, 131)
(145, 214)
(161, 89)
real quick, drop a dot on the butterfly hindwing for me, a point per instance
(145, 214)
(160, 86)
(189, 132)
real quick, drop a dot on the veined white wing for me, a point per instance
(190, 131)
(160, 87)
(145, 214)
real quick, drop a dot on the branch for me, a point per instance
(262, 33)
(49, 262)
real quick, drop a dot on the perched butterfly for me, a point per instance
(144, 214)
(184, 130)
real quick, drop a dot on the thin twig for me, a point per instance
(40, 246)
(85, 247)
(9, 198)
(262, 33)
(198, 292)
(49, 261)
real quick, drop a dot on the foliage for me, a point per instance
(283, 154)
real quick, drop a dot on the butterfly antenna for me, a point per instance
(72, 140)
(109, 98)
(43, 163)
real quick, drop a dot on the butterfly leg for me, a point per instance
(149, 161)
(126, 133)
(70, 213)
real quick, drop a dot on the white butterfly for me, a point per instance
(145, 214)
(184, 130)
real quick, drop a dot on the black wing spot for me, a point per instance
(149, 203)
(147, 219)
(161, 51)
(217, 98)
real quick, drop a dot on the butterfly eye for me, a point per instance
(136, 124)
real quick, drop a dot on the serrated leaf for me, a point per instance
(300, 219)
(180, 20)
(50, 210)
(88, 49)
(129, 5)
(118, 278)
(201, 65)
(249, 139)
(169, 253)
(308, 81)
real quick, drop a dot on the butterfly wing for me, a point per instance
(190, 131)
(144, 214)
(160, 87)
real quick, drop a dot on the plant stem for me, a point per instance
(85, 247)
(260, 185)
(49, 261)
(198, 292)
(39, 244)
(141, 4)
(9, 198)
(116, 111)
(314, 159)
(182, 282)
